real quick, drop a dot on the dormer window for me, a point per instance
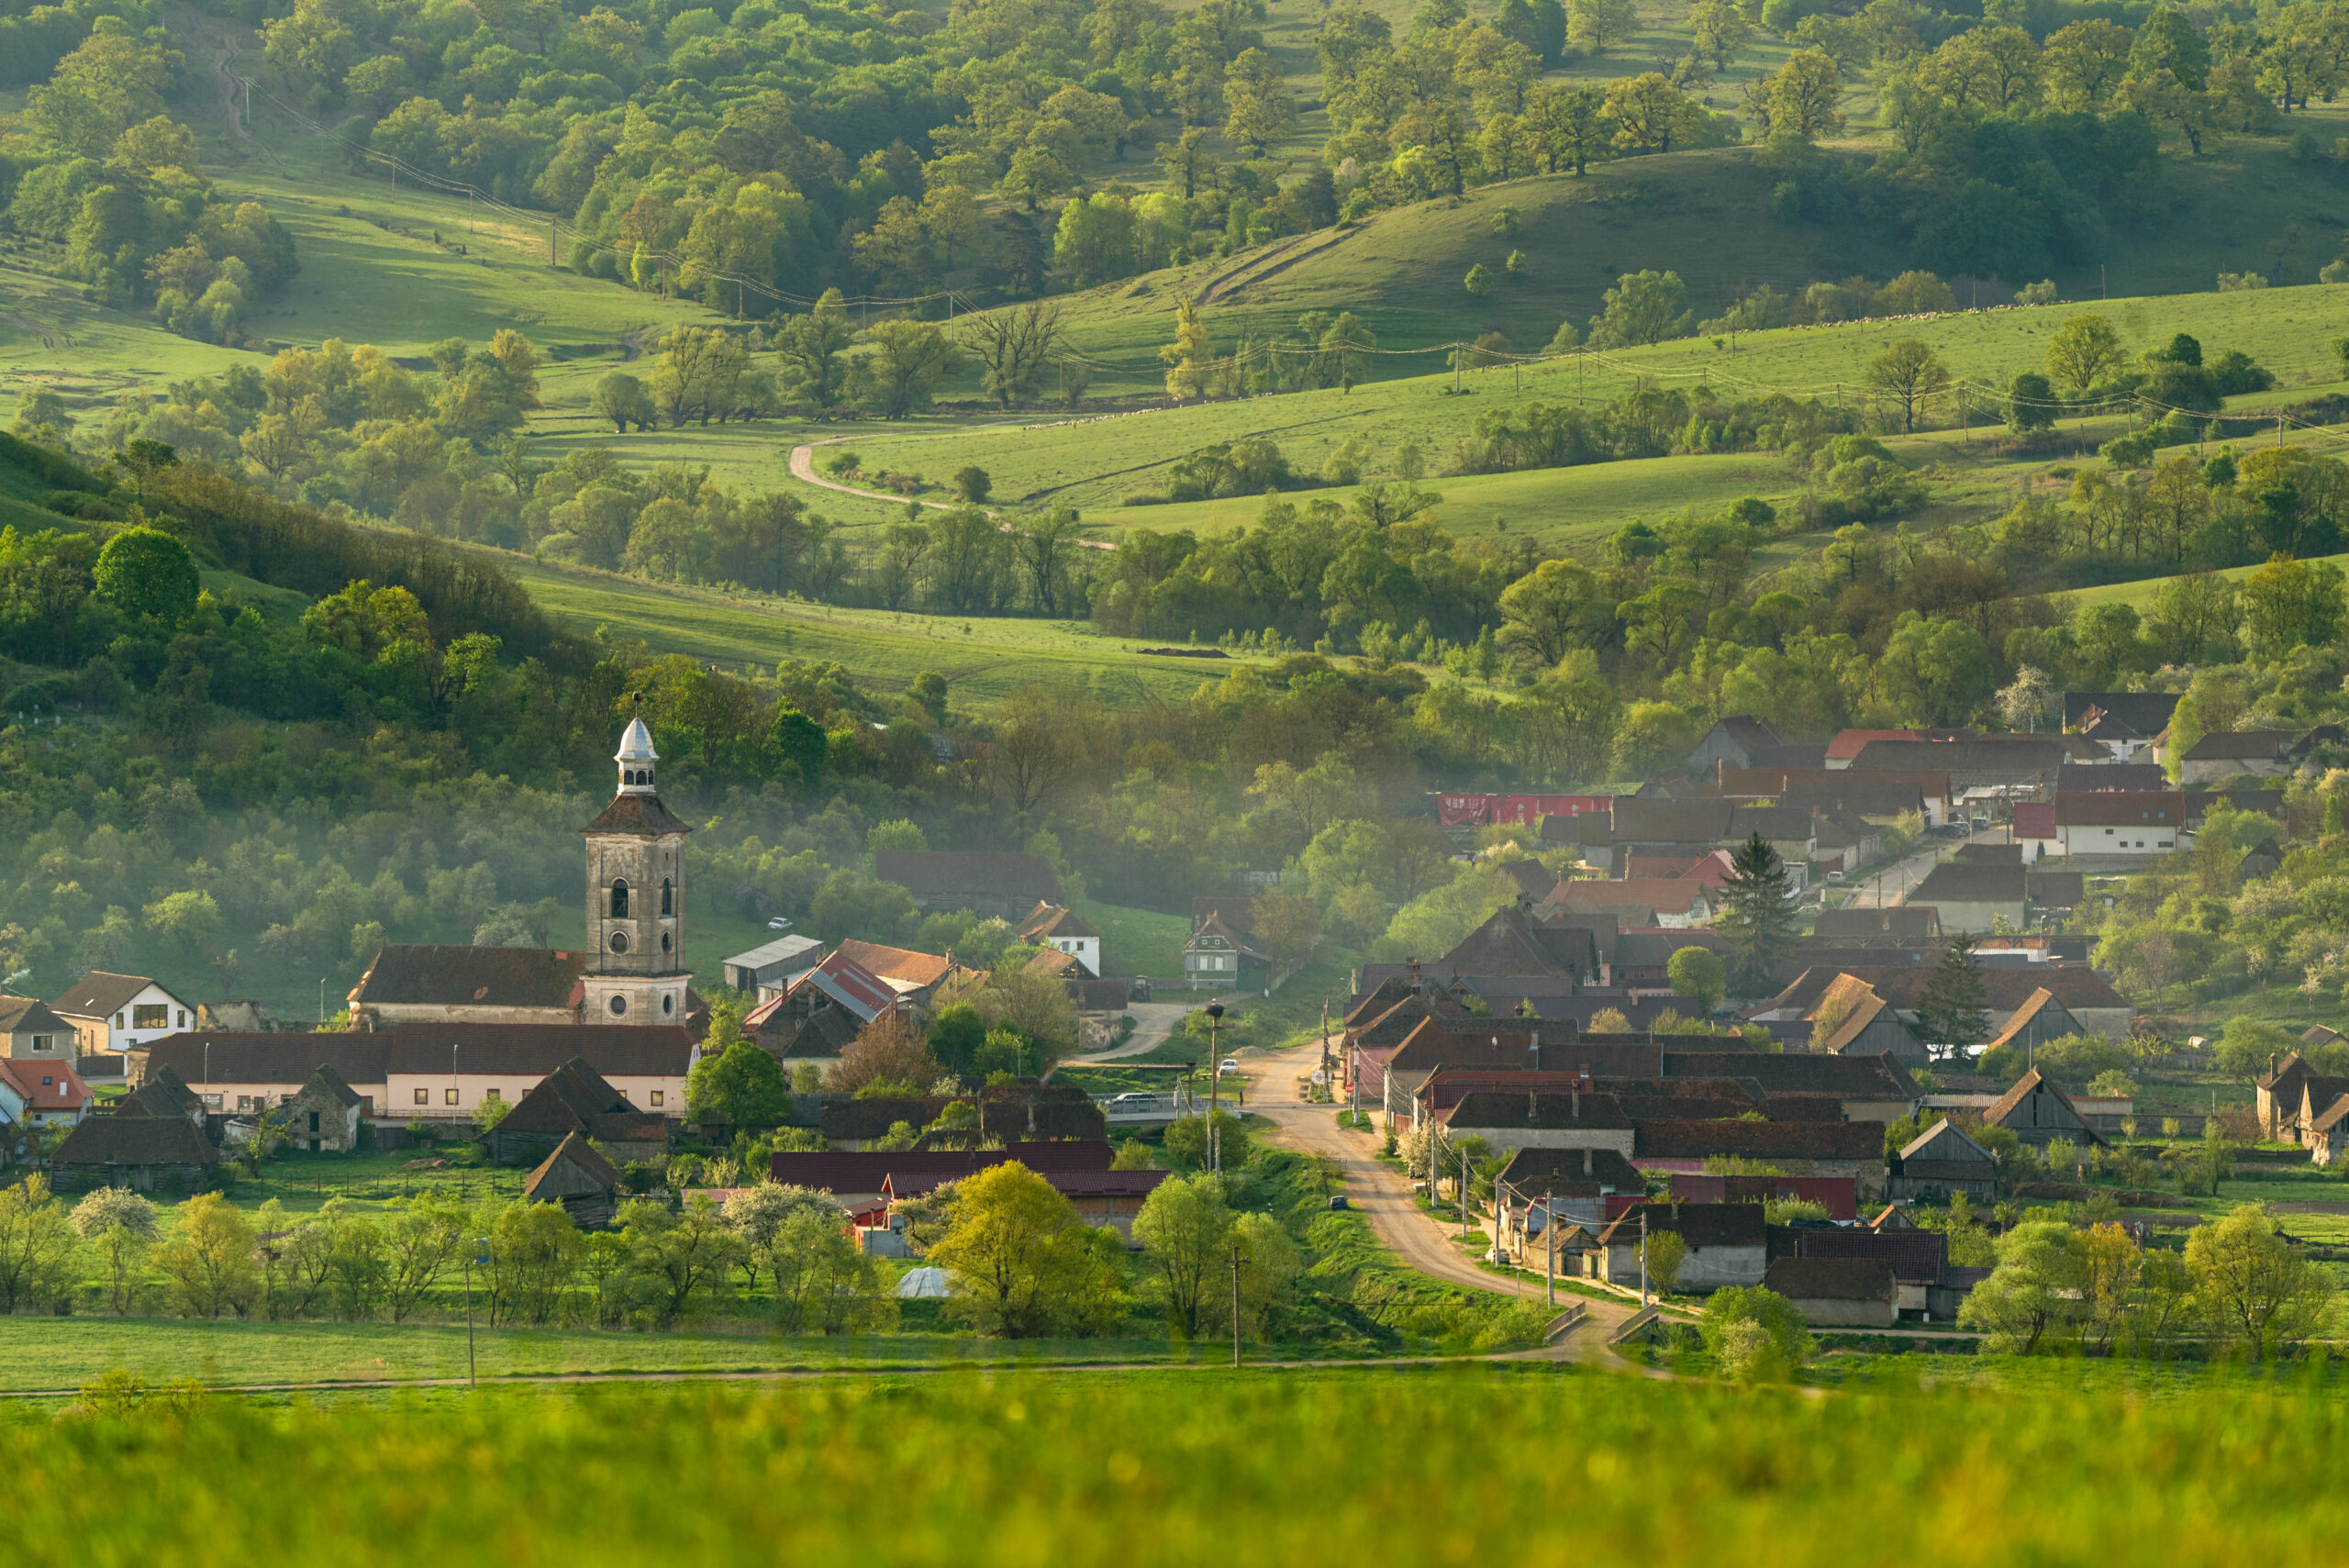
(619, 898)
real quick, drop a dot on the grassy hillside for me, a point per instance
(983, 659)
(1705, 215)
(1095, 463)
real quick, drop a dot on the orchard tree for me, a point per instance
(2083, 352)
(1698, 973)
(1910, 375)
(1593, 25)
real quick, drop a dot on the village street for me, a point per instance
(1384, 1198)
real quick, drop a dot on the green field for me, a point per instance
(2064, 1464)
(37, 1355)
(985, 659)
(1136, 942)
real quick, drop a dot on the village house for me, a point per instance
(110, 1013)
(1878, 794)
(2086, 994)
(427, 1072)
(322, 1115)
(1900, 924)
(1049, 926)
(1941, 1161)
(1005, 885)
(1736, 740)
(2138, 717)
(1509, 1121)
(2133, 823)
(1212, 955)
(2263, 752)
(31, 1030)
(916, 977)
(2276, 1097)
(1973, 895)
(1867, 1088)
(821, 1011)
(1727, 1244)
(1839, 1293)
(1853, 1148)
(40, 1094)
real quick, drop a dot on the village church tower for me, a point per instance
(636, 899)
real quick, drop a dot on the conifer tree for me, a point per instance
(1759, 917)
(1954, 1009)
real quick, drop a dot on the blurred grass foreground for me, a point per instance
(1518, 1464)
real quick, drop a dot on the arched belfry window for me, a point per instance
(668, 905)
(619, 898)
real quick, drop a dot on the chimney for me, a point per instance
(1586, 1160)
(1537, 1053)
(1415, 973)
(1532, 1111)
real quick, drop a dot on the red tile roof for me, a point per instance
(2035, 819)
(51, 1087)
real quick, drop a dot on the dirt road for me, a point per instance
(1153, 1021)
(1384, 1199)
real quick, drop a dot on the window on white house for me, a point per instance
(44, 1042)
(449, 1096)
(423, 1096)
(660, 1096)
(154, 1017)
(490, 1093)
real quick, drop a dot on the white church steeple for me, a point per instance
(636, 756)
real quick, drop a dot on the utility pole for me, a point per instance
(1235, 1305)
(1549, 1235)
(480, 1254)
(1644, 1255)
(1456, 364)
(1215, 1087)
(553, 223)
(1325, 1036)
(1464, 1195)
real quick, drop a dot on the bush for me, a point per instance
(1755, 1334)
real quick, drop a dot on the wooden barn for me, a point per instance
(580, 1180)
(2039, 1113)
(1941, 1161)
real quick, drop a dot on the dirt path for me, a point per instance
(1153, 1021)
(803, 468)
(1385, 1200)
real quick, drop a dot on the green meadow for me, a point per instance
(38, 1355)
(1531, 1463)
(983, 659)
